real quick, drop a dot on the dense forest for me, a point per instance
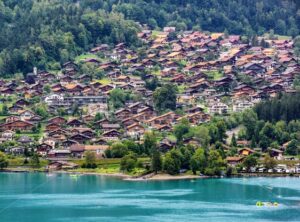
(46, 33)
(40, 33)
(285, 107)
(237, 16)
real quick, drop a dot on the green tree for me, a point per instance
(249, 162)
(198, 161)
(156, 161)
(128, 162)
(269, 162)
(233, 142)
(215, 163)
(201, 133)
(35, 160)
(152, 84)
(221, 126)
(47, 89)
(118, 150)
(292, 148)
(165, 97)
(133, 146)
(149, 142)
(172, 161)
(90, 160)
(297, 46)
(4, 110)
(98, 117)
(249, 120)
(3, 161)
(42, 111)
(267, 135)
(181, 129)
(118, 97)
(170, 165)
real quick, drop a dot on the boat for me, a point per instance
(266, 204)
(74, 176)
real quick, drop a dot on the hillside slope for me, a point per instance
(47, 33)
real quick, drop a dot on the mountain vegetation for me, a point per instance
(46, 33)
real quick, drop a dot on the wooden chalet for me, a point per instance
(17, 125)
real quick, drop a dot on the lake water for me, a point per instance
(29, 197)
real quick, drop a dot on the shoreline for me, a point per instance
(166, 177)
(148, 177)
(17, 170)
(157, 177)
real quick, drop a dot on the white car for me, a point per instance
(261, 170)
(279, 170)
(252, 169)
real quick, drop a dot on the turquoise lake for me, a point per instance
(30, 197)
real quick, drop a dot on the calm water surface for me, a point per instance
(32, 197)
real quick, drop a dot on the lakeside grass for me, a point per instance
(113, 170)
(110, 166)
(104, 166)
(19, 162)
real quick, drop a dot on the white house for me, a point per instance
(218, 108)
(241, 105)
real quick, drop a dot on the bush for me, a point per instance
(118, 150)
(90, 160)
(25, 161)
(91, 165)
(229, 171)
(3, 161)
(128, 162)
(209, 172)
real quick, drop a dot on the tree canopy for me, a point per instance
(50, 33)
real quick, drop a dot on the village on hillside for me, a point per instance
(107, 95)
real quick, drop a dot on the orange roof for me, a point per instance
(215, 36)
(234, 158)
(70, 86)
(95, 147)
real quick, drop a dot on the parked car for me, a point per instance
(297, 168)
(261, 170)
(253, 169)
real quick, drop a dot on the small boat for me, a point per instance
(50, 174)
(266, 204)
(74, 176)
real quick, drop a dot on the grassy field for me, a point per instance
(215, 75)
(104, 81)
(181, 88)
(3, 117)
(104, 166)
(35, 136)
(109, 166)
(19, 162)
(103, 170)
(86, 56)
(155, 33)
(156, 72)
(283, 37)
(279, 37)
